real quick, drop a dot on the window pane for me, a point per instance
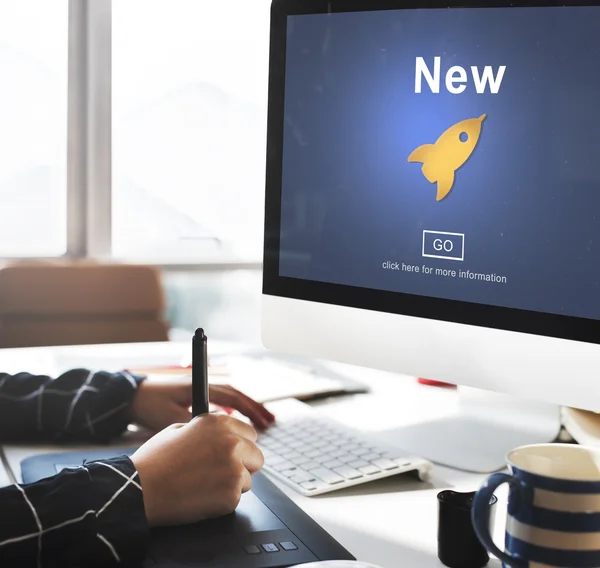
(227, 302)
(33, 133)
(189, 127)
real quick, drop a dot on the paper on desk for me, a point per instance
(265, 380)
(336, 564)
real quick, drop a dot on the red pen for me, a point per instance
(431, 383)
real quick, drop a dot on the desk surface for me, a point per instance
(401, 525)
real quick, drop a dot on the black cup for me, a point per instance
(458, 545)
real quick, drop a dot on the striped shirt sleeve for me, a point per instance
(80, 405)
(90, 516)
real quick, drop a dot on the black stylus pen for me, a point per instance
(199, 374)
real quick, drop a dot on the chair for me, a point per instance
(69, 303)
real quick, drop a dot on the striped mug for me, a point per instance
(553, 507)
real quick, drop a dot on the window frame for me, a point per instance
(89, 148)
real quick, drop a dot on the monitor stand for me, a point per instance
(478, 437)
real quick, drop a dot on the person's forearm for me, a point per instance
(90, 516)
(79, 405)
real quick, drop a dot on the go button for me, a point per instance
(447, 246)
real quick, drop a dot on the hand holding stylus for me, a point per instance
(199, 469)
(194, 471)
(162, 401)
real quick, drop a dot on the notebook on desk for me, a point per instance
(267, 530)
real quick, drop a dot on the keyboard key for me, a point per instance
(398, 458)
(252, 549)
(393, 456)
(302, 460)
(290, 472)
(332, 464)
(347, 458)
(313, 453)
(370, 457)
(327, 476)
(385, 464)
(348, 472)
(322, 458)
(369, 470)
(310, 465)
(270, 548)
(358, 463)
(358, 452)
(292, 455)
(302, 476)
(288, 546)
(309, 486)
(338, 453)
(274, 460)
(283, 466)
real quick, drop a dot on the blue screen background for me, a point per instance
(527, 200)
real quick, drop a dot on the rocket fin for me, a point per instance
(421, 153)
(444, 184)
(424, 154)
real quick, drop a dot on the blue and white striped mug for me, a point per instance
(553, 507)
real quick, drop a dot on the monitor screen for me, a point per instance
(445, 153)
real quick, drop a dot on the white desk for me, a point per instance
(390, 523)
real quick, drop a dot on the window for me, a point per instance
(183, 84)
(33, 127)
(189, 104)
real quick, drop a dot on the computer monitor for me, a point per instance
(433, 200)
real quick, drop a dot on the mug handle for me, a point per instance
(481, 514)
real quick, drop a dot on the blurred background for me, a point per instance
(133, 132)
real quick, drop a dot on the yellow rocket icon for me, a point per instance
(451, 150)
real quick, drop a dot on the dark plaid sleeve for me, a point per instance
(90, 516)
(80, 405)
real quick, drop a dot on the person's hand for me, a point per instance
(160, 402)
(190, 472)
(228, 397)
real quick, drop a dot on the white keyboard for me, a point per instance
(314, 454)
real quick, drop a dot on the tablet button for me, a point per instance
(270, 548)
(252, 549)
(288, 546)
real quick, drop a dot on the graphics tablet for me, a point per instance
(266, 531)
